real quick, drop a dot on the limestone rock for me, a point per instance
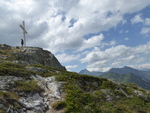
(4, 47)
(32, 102)
(30, 55)
(6, 82)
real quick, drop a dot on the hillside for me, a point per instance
(40, 88)
(124, 75)
(128, 78)
(127, 70)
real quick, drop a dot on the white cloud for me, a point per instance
(123, 31)
(112, 52)
(126, 39)
(48, 22)
(147, 21)
(141, 66)
(71, 67)
(145, 30)
(116, 56)
(126, 31)
(144, 49)
(104, 69)
(92, 42)
(64, 58)
(137, 19)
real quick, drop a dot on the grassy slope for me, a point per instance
(83, 95)
(127, 78)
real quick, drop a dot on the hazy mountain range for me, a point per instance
(124, 75)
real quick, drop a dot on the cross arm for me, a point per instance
(23, 29)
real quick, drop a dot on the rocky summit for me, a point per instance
(33, 81)
(29, 55)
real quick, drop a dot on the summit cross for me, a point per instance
(24, 31)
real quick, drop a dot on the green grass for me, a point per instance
(29, 86)
(11, 69)
(59, 105)
(9, 99)
(9, 95)
(82, 95)
(2, 111)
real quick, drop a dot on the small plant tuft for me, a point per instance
(59, 105)
(29, 86)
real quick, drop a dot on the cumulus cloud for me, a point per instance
(112, 52)
(141, 66)
(126, 39)
(71, 67)
(64, 58)
(147, 21)
(60, 25)
(92, 42)
(115, 56)
(145, 30)
(137, 19)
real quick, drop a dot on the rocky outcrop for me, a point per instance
(30, 55)
(32, 102)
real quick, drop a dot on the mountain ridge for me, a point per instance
(126, 75)
(126, 70)
(123, 70)
(94, 73)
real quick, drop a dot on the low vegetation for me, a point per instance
(29, 86)
(9, 99)
(88, 94)
(11, 69)
(84, 93)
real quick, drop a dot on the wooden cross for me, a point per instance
(24, 32)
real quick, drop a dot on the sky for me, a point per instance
(82, 34)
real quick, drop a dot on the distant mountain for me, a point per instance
(124, 75)
(146, 70)
(128, 78)
(84, 71)
(123, 70)
(127, 70)
(93, 73)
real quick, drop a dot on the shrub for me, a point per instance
(10, 69)
(9, 95)
(29, 86)
(2, 111)
(136, 103)
(108, 107)
(59, 105)
(119, 93)
(129, 91)
(132, 85)
(108, 85)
